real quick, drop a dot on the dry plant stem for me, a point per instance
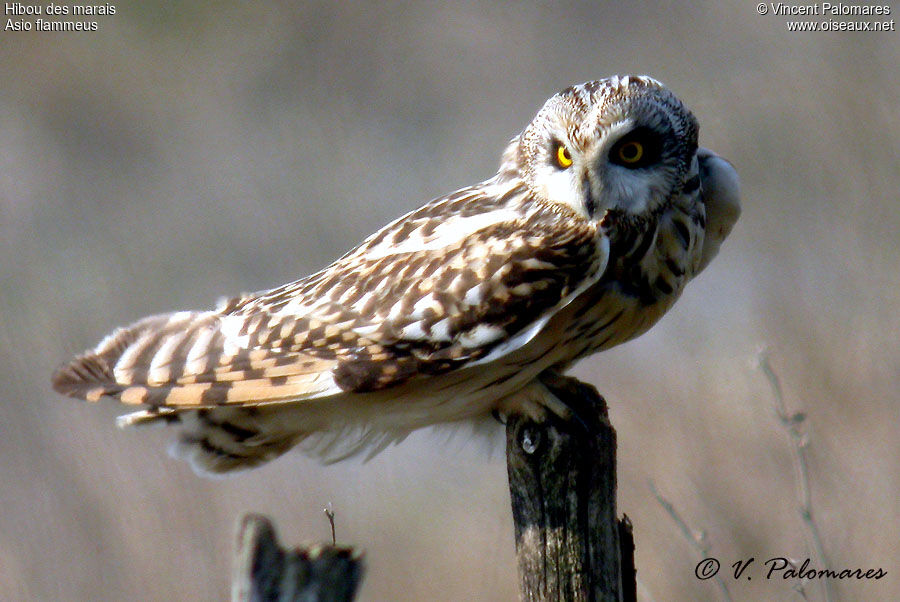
(329, 513)
(792, 426)
(563, 491)
(695, 538)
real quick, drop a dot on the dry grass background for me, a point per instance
(191, 150)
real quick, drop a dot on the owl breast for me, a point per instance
(652, 258)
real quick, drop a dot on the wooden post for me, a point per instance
(562, 482)
(266, 572)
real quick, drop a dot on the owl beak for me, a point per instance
(590, 204)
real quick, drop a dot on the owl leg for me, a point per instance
(581, 400)
(564, 396)
(537, 398)
(223, 440)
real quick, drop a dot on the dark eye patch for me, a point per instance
(638, 148)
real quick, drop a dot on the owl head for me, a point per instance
(625, 144)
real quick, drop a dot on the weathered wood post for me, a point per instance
(562, 481)
(266, 572)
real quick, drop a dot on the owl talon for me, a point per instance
(582, 402)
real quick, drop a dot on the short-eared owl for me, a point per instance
(603, 209)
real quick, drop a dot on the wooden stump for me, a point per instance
(266, 572)
(562, 480)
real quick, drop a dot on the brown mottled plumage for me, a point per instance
(602, 210)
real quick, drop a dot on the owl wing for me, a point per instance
(428, 294)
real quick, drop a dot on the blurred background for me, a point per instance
(187, 151)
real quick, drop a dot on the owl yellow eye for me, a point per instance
(563, 158)
(641, 148)
(631, 152)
